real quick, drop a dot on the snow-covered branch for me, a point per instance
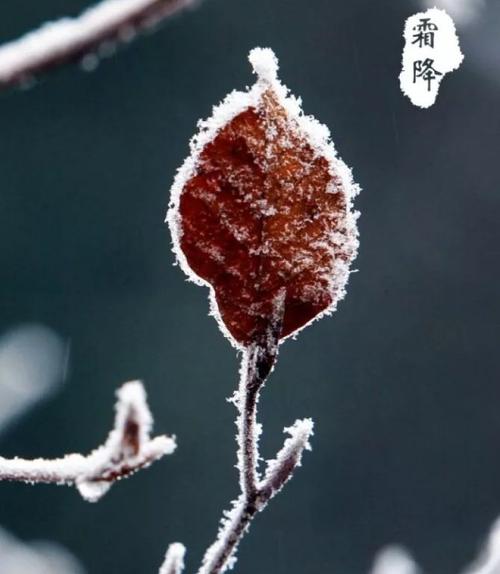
(257, 364)
(280, 470)
(221, 555)
(174, 559)
(128, 448)
(94, 32)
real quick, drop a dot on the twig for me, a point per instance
(174, 559)
(128, 449)
(257, 364)
(96, 30)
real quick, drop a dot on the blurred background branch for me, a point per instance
(93, 34)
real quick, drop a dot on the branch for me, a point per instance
(280, 470)
(127, 449)
(257, 364)
(96, 30)
(174, 559)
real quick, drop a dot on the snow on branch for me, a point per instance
(258, 362)
(280, 470)
(220, 557)
(174, 559)
(128, 448)
(95, 31)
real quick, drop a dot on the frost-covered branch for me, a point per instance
(174, 559)
(94, 32)
(257, 363)
(128, 448)
(280, 470)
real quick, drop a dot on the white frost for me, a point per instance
(54, 39)
(290, 454)
(443, 56)
(264, 63)
(235, 521)
(230, 518)
(174, 559)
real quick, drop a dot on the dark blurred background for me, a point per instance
(403, 381)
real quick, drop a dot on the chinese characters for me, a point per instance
(425, 31)
(423, 69)
(424, 35)
(431, 51)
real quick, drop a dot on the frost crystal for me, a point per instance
(264, 64)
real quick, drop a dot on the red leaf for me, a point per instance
(262, 206)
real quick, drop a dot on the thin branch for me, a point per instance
(95, 31)
(174, 559)
(127, 449)
(257, 363)
(280, 470)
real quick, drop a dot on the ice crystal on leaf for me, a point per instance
(262, 205)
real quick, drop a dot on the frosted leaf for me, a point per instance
(262, 205)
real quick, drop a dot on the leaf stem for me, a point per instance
(256, 365)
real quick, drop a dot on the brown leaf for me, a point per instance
(263, 206)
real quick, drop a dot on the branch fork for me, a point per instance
(257, 363)
(128, 448)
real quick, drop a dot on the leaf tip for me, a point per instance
(264, 63)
